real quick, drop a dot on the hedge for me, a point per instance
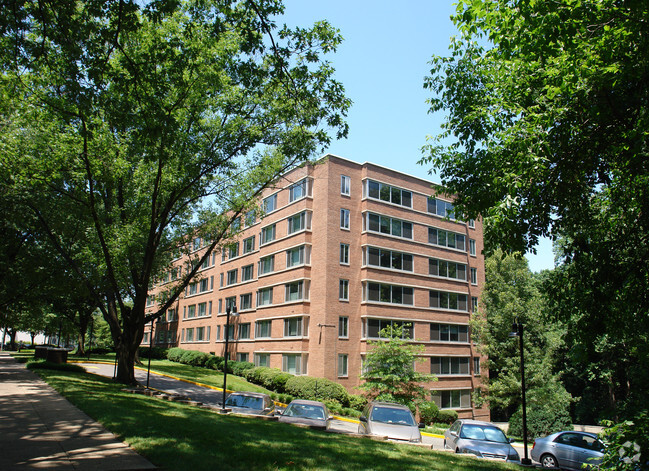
(307, 387)
(157, 353)
(541, 421)
(174, 354)
(428, 412)
(446, 416)
(194, 358)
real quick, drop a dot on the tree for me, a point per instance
(512, 292)
(129, 128)
(548, 106)
(390, 368)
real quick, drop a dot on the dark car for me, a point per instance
(313, 413)
(481, 439)
(250, 403)
(391, 420)
(568, 450)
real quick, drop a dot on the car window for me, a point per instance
(481, 432)
(248, 402)
(306, 411)
(389, 415)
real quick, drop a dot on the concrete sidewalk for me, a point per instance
(39, 429)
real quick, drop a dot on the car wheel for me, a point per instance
(549, 461)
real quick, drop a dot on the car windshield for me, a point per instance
(390, 415)
(247, 402)
(483, 432)
(307, 411)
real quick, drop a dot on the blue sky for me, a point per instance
(382, 64)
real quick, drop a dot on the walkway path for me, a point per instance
(39, 429)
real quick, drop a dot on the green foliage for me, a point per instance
(194, 358)
(428, 411)
(627, 444)
(542, 420)
(174, 354)
(390, 374)
(48, 365)
(446, 416)
(270, 378)
(357, 402)
(239, 367)
(317, 389)
(156, 353)
(215, 363)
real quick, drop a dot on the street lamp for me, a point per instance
(517, 331)
(148, 371)
(230, 308)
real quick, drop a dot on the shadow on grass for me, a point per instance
(179, 437)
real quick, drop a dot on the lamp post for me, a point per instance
(148, 371)
(517, 331)
(228, 309)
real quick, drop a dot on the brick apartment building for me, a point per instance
(343, 250)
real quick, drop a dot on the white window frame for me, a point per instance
(345, 185)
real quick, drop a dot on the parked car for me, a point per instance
(313, 413)
(481, 439)
(568, 450)
(388, 419)
(250, 403)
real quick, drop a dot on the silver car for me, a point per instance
(569, 450)
(250, 403)
(481, 439)
(388, 419)
(312, 413)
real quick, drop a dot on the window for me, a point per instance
(262, 329)
(202, 309)
(444, 300)
(200, 334)
(384, 293)
(343, 290)
(206, 263)
(292, 363)
(441, 208)
(342, 365)
(445, 269)
(472, 247)
(389, 194)
(344, 254)
(265, 297)
(295, 256)
(344, 218)
(196, 243)
(172, 315)
(449, 366)
(231, 303)
(250, 218)
(231, 277)
(294, 291)
(244, 331)
(476, 366)
(270, 204)
(193, 288)
(297, 222)
(293, 327)
(458, 399)
(242, 357)
(389, 259)
(189, 334)
(267, 234)
(230, 333)
(474, 303)
(343, 327)
(446, 238)
(191, 311)
(247, 273)
(233, 250)
(204, 285)
(297, 191)
(389, 226)
(472, 223)
(266, 265)
(248, 244)
(449, 333)
(375, 326)
(262, 359)
(345, 184)
(474, 276)
(150, 300)
(245, 301)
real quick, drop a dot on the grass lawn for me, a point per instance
(180, 437)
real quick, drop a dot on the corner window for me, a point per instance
(293, 327)
(270, 204)
(245, 301)
(294, 291)
(265, 297)
(262, 329)
(249, 244)
(297, 191)
(267, 234)
(292, 363)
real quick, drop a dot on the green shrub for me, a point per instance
(446, 416)
(356, 402)
(239, 367)
(284, 398)
(428, 412)
(541, 421)
(307, 387)
(99, 351)
(273, 379)
(156, 353)
(215, 363)
(48, 365)
(334, 406)
(627, 444)
(174, 354)
(254, 374)
(349, 412)
(194, 358)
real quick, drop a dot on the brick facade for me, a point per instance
(314, 304)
